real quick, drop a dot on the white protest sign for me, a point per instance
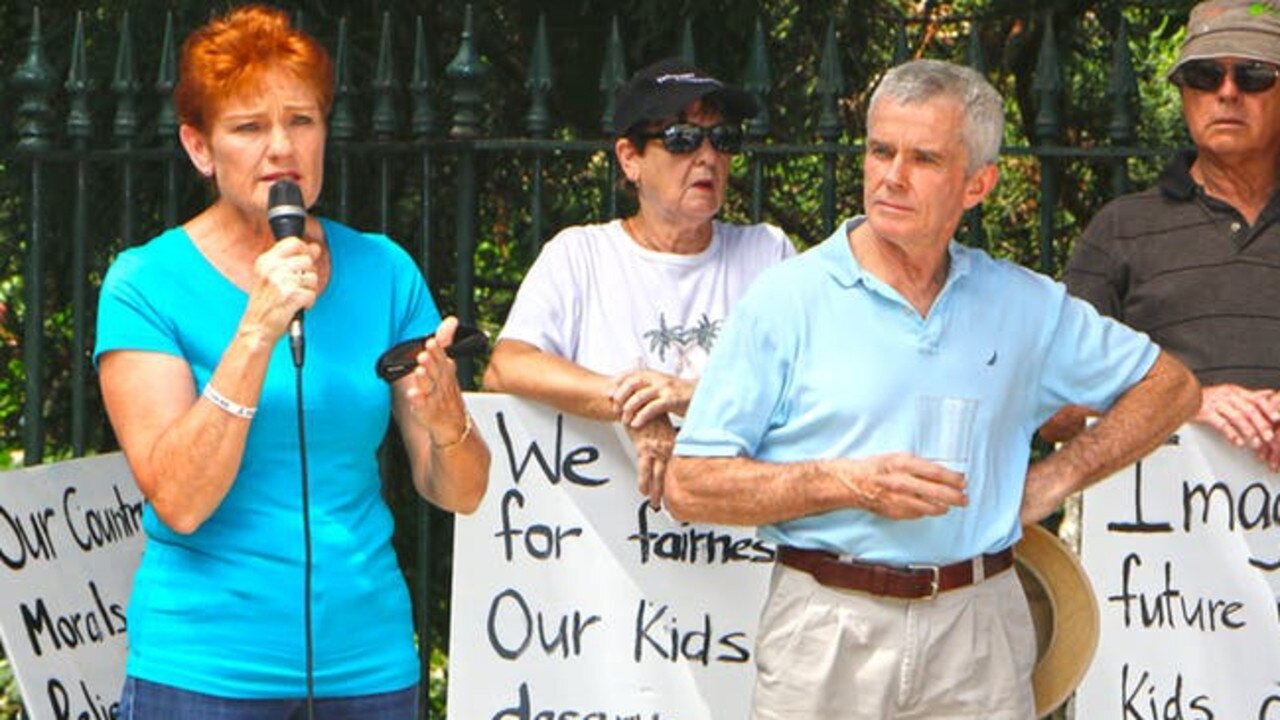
(573, 600)
(1183, 550)
(70, 539)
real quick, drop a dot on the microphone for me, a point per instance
(287, 218)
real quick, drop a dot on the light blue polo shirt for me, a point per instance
(820, 359)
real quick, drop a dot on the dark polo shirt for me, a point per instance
(1189, 271)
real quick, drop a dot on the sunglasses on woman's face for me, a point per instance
(1207, 75)
(685, 137)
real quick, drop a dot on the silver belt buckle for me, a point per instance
(934, 581)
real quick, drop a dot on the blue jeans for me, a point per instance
(144, 700)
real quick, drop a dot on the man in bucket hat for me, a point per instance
(1195, 260)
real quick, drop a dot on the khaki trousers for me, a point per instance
(831, 654)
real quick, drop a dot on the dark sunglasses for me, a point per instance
(1207, 75)
(685, 137)
(402, 358)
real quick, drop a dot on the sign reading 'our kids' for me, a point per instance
(573, 599)
(70, 540)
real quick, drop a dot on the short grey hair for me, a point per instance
(920, 81)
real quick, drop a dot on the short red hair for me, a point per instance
(230, 54)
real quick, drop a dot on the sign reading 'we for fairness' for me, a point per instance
(573, 599)
(1184, 553)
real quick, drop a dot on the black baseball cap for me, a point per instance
(667, 87)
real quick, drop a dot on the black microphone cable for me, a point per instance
(287, 218)
(306, 542)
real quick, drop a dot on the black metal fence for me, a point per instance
(410, 155)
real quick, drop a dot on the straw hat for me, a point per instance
(1064, 611)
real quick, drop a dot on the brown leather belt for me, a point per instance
(909, 583)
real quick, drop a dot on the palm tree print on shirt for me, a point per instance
(690, 344)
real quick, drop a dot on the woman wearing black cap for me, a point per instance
(614, 320)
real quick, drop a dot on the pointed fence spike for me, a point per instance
(758, 80)
(422, 121)
(538, 119)
(466, 70)
(125, 85)
(686, 49)
(973, 48)
(384, 85)
(79, 86)
(34, 79)
(901, 53)
(612, 76)
(342, 121)
(166, 79)
(1048, 85)
(830, 87)
(1122, 87)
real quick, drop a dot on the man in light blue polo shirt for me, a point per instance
(806, 416)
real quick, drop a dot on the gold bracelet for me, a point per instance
(466, 432)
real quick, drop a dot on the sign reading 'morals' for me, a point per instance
(70, 540)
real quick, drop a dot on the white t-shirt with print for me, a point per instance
(597, 298)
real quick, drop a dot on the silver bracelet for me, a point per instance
(227, 404)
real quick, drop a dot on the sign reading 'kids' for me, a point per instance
(1184, 552)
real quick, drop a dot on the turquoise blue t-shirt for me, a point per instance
(220, 611)
(821, 359)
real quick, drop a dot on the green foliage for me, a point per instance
(10, 700)
(437, 682)
(11, 393)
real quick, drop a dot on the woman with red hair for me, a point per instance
(260, 591)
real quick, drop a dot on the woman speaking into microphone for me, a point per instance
(268, 579)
